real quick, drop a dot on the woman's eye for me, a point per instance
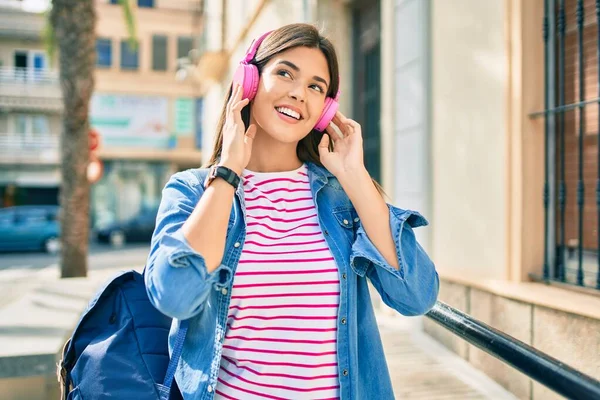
(283, 72)
(318, 88)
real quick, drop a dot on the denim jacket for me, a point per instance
(179, 285)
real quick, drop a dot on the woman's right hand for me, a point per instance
(237, 143)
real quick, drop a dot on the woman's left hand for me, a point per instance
(347, 154)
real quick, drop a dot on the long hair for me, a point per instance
(285, 38)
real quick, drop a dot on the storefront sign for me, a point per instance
(131, 121)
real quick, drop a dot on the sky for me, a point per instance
(30, 5)
(36, 5)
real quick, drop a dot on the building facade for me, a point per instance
(30, 108)
(466, 143)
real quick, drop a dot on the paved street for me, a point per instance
(101, 256)
(20, 271)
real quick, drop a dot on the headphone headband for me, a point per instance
(254, 47)
(248, 77)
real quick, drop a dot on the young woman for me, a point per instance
(267, 253)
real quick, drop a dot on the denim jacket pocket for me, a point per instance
(345, 218)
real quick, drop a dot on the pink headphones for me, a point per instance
(247, 76)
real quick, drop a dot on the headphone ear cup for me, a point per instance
(329, 109)
(246, 75)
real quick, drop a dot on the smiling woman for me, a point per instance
(265, 256)
(296, 68)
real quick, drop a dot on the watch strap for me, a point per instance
(227, 174)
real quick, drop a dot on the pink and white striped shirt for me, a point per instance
(280, 341)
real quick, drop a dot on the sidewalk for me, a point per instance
(41, 313)
(422, 368)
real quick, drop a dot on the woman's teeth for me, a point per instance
(288, 112)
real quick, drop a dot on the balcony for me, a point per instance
(30, 89)
(175, 5)
(20, 22)
(19, 149)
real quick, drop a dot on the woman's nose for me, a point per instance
(297, 93)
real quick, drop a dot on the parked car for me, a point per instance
(30, 228)
(136, 229)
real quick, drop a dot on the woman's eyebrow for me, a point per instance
(295, 68)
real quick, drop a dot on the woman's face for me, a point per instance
(291, 94)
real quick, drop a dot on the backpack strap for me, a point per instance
(62, 374)
(177, 349)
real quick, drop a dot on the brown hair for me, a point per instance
(285, 38)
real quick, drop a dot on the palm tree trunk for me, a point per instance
(74, 23)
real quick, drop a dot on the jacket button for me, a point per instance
(343, 321)
(224, 291)
(344, 276)
(345, 372)
(209, 388)
(237, 244)
(355, 219)
(345, 222)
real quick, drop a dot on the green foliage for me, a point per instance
(49, 36)
(129, 23)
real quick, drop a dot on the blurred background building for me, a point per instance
(30, 111)
(450, 95)
(149, 121)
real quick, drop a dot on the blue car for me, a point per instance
(30, 228)
(138, 228)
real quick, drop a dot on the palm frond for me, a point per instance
(49, 37)
(130, 23)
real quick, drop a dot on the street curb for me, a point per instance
(33, 328)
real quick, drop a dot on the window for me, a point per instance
(129, 55)
(103, 52)
(40, 125)
(32, 216)
(30, 65)
(27, 125)
(21, 124)
(571, 228)
(159, 53)
(184, 45)
(146, 3)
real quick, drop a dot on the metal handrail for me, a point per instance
(548, 371)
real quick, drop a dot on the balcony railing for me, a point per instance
(30, 89)
(181, 5)
(28, 76)
(43, 149)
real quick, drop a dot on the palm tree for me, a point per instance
(72, 26)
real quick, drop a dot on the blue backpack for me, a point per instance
(119, 348)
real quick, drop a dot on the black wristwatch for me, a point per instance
(219, 171)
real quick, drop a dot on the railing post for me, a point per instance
(549, 34)
(580, 183)
(561, 263)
